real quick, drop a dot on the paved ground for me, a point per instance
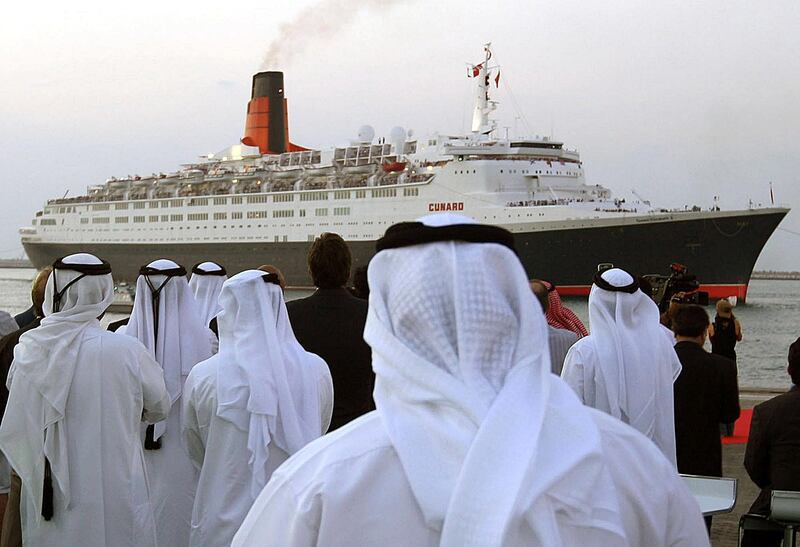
(725, 527)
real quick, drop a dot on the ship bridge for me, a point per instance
(538, 149)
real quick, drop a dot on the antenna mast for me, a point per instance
(482, 72)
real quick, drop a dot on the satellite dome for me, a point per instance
(366, 133)
(397, 134)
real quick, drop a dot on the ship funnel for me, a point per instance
(267, 124)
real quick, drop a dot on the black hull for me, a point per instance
(720, 251)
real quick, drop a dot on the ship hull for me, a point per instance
(721, 252)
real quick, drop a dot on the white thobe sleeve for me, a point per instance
(154, 391)
(276, 520)
(573, 371)
(194, 436)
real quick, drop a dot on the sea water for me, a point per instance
(770, 322)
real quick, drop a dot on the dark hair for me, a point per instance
(360, 283)
(794, 361)
(645, 286)
(690, 320)
(542, 293)
(329, 261)
(38, 288)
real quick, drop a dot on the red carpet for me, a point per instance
(741, 429)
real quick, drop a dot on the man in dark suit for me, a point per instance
(772, 458)
(330, 323)
(706, 394)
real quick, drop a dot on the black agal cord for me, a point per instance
(104, 268)
(196, 270)
(406, 234)
(605, 285)
(150, 442)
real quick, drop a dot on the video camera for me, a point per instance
(679, 282)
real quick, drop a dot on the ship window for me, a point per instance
(257, 214)
(276, 239)
(501, 170)
(302, 212)
(120, 220)
(197, 216)
(138, 205)
(410, 192)
(48, 222)
(138, 219)
(236, 215)
(341, 194)
(152, 218)
(97, 207)
(176, 218)
(84, 220)
(282, 198)
(314, 196)
(195, 202)
(341, 211)
(220, 201)
(220, 216)
(236, 201)
(164, 204)
(257, 199)
(285, 238)
(164, 218)
(176, 202)
(283, 213)
(95, 220)
(152, 204)
(361, 194)
(120, 206)
(323, 212)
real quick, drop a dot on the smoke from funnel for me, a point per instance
(316, 24)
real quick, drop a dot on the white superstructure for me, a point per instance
(358, 190)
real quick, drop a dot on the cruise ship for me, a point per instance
(265, 198)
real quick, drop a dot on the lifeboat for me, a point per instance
(394, 167)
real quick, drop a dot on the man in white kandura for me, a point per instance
(626, 366)
(474, 441)
(248, 408)
(78, 394)
(206, 283)
(166, 319)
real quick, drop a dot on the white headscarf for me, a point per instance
(636, 363)
(206, 282)
(42, 372)
(463, 387)
(182, 341)
(268, 385)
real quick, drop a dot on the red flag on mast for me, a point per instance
(497, 79)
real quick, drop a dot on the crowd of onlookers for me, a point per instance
(474, 437)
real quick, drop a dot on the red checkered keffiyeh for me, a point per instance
(561, 317)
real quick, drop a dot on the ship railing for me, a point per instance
(536, 202)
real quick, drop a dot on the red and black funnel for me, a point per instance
(267, 123)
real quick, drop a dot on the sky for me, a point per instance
(681, 101)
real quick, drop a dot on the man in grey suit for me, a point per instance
(560, 340)
(330, 323)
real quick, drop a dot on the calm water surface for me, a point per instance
(770, 322)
